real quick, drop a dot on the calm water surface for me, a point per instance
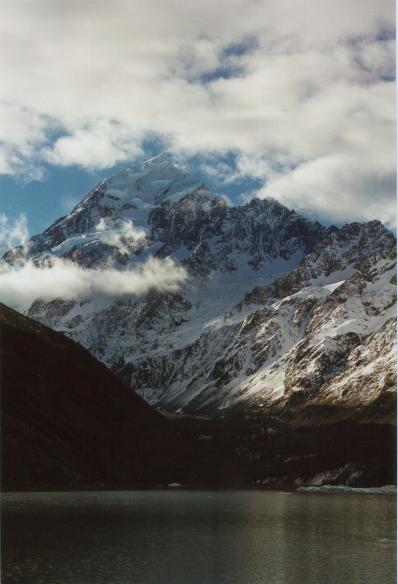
(183, 537)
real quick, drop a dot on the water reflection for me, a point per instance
(165, 537)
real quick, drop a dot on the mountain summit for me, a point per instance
(129, 195)
(279, 313)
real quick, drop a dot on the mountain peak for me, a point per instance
(158, 159)
(269, 293)
(128, 195)
(154, 181)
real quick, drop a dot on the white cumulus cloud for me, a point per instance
(293, 89)
(125, 236)
(13, 232)
(61, 279)
(26, 280)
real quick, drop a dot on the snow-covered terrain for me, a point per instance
(279, 313)
(385, 490)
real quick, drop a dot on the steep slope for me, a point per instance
(275, 314)
(278, 357)
(67, 422)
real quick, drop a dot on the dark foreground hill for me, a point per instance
(68, 422)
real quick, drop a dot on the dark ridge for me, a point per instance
(68, 422)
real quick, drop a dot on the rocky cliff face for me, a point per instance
(280, 314)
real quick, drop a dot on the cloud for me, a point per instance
(283, 85)
(13, 232)
(98, 146)
(61, 279)
(25, 280)
(125, 236)
(23, 131)
(337, 187)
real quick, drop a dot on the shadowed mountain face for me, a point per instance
(67, 422)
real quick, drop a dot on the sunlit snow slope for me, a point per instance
(279, 313)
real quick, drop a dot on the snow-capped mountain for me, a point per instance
(279, 313)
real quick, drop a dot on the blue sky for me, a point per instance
(290, 100)
(44, 201)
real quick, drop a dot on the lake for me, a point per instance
(198, 537)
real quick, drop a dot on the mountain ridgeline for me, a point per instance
(278, 313)
(281, 321)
